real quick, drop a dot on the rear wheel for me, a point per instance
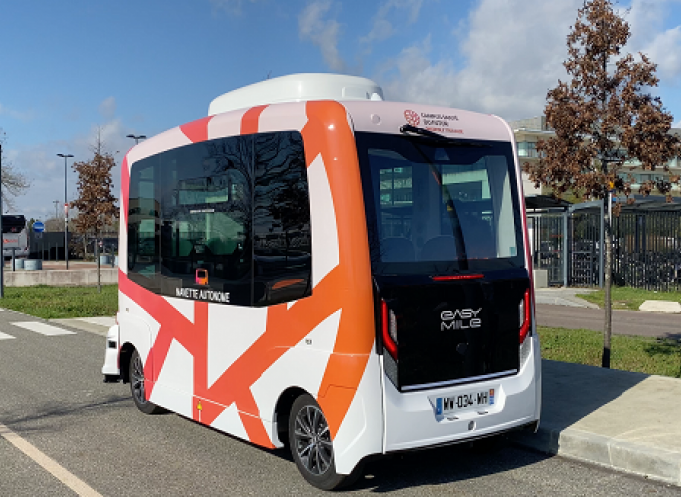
(137, 386)
(311, 445)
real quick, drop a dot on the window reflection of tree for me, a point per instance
(280, 187)
(281, 216)
(210, 191)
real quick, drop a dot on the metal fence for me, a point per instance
(646, 246)
(647, 250)
(584, 241)
(547, 233)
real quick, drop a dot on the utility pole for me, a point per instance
(66, 213)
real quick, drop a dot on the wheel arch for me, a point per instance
(282, 411)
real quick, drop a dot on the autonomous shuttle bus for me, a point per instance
(315, 267)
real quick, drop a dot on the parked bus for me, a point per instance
(315, 267)
(14, 236)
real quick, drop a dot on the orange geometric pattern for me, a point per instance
(347, 287)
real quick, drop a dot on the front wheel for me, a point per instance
(311, 445)
(137, 386)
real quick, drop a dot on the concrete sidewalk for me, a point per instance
(621, 420)
(563, 296)
(98, 325)
(618, 419)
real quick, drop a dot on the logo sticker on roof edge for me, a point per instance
(412, 117)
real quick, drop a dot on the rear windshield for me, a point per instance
(439, 207)
(13, 224)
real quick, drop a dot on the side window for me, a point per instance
(206, 224)
(281, 219)
(143, 226)
(225, 221)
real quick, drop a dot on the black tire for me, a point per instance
(312, 447)
(137, 386)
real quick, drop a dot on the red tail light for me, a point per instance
(389, 329)
(524, 314)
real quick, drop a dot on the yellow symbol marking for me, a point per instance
(199, 406)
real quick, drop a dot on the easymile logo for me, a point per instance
(460, 319)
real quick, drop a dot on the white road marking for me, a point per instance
(5, 336)
(53, 467)
(43, 328)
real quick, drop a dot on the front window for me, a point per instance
(435, 207)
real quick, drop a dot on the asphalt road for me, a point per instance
(52, 397)
(623, 322)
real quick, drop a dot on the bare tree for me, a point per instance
(604, 117)
(95, 203)
(14, 183)
(54, 224)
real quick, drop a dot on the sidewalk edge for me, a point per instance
(656, 464)
(81, 325)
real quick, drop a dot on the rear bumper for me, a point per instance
(412, 421)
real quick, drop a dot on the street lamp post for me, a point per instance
(66, 213)
(137, 138)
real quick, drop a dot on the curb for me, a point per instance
(656, 464)
(82, 325)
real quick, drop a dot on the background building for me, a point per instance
(529, 131)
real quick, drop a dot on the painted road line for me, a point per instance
(53, 467)
(43, 328)
(5, 336)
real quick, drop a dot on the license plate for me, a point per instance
(464, 402)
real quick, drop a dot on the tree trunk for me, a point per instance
(607, 283)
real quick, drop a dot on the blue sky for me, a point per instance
(68, 68)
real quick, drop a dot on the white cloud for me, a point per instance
(107, 109)
(413, 6)
(648, 35)
(382, 28)
(665, 51)
(418, 80)
(24, 116)
(514, 53)
(322, 32)
(45, 170)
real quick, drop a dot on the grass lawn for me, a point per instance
(640, 354)
(50, 302)
(624, 297)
